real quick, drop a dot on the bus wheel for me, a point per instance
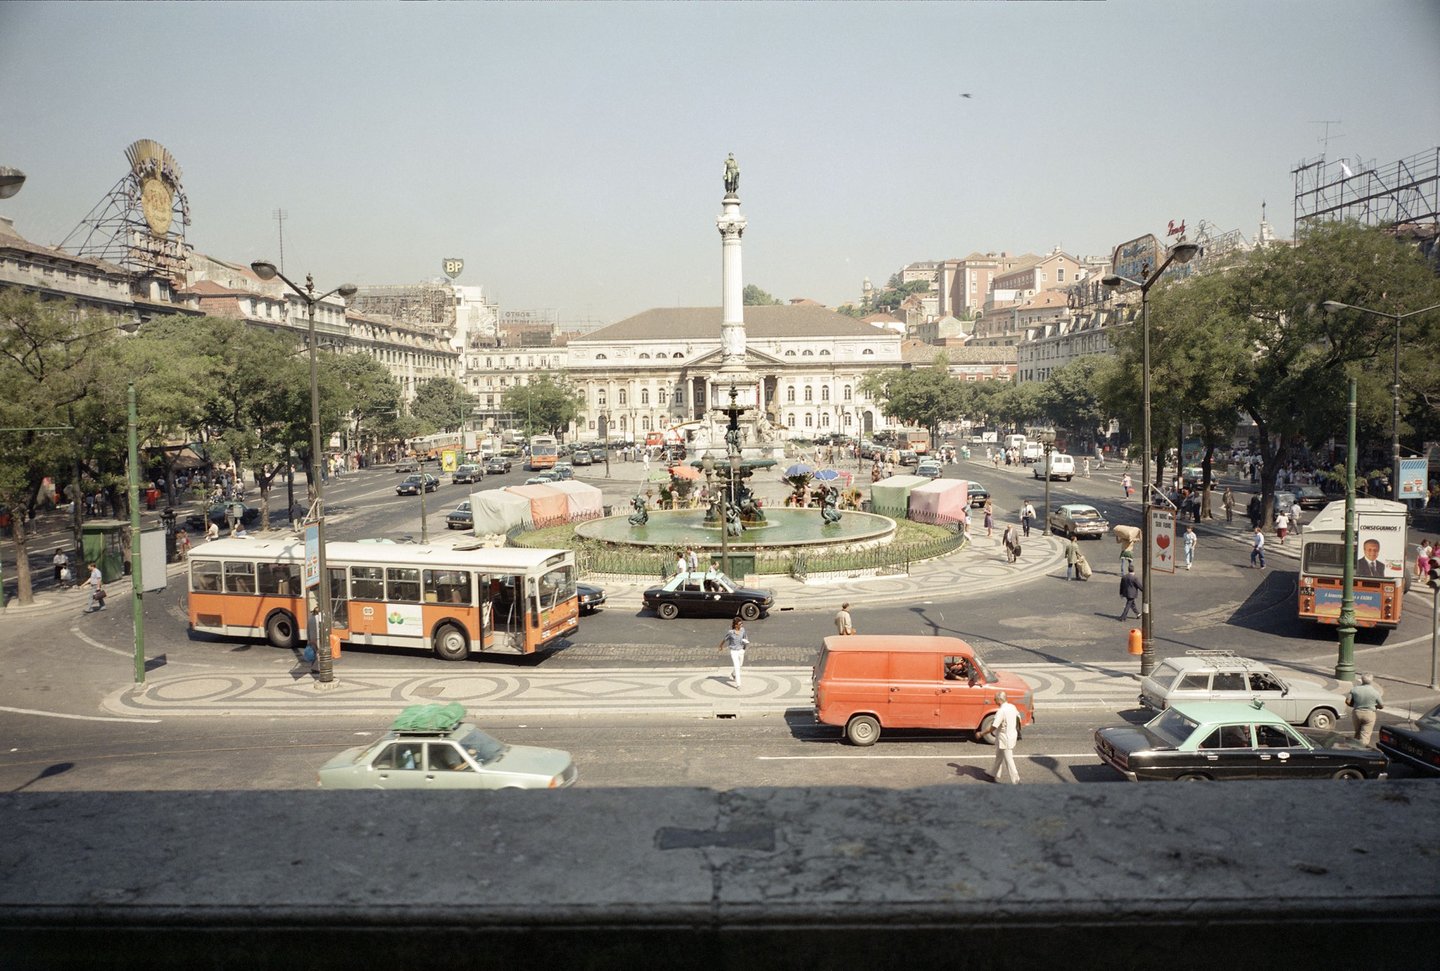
(280, 630)
(451, 644)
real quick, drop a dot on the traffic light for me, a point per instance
(1435, 570)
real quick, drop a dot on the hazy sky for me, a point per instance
(572, 153)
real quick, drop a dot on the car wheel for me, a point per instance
(982, 734)
(280, 630)
(1321, 718)
(668, 611)
(1194, 777)
(451, 644)
(1348, 775)
(749, 611)
(862, 730)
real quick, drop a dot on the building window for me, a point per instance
(599, 357)
(677, 355)
(644, 396)
(790, 394)
(807, 353)
(809, 393)
(845, 419)
(825, 393)
(644, 356)
(789, 353)
(845, 393)
(868, 351)
(622, 395)
(592, 425)
(662, 396)
(790, 421)
(809, 420)
(600, 398)
(824, 419)
(1060, 274)
(645, 422)
(824, 352)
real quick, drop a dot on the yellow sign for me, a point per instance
(448, 460)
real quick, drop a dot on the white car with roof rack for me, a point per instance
(1224, 676)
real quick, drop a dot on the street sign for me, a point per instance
(452, 267)
(312, 556)
(1162, 540)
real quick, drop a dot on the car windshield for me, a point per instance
(1430, 720)
(1173, 726)
(986, 672)
(483, 748)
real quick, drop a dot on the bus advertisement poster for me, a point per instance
(312, 556)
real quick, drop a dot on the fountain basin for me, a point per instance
(786, 527)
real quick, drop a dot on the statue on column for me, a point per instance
(830, 506)
(641, 515)
(732, 175)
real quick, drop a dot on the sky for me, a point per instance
(572, 154)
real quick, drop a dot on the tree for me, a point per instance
(1070, 397)
(442, 405)
(50, 354)
(545, 405)
(755, 297)
(925, 396)
(374, 396)
(890, 299)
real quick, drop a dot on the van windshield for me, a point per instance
(986, 672)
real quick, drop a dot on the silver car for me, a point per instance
(433, 747)
(1223, 676)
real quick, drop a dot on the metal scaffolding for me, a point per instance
(1403, 194)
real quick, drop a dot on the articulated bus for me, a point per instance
(544, 450)
(452, 602)
(1380, 563)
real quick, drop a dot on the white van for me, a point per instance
(1014, 441)
(1062, 466)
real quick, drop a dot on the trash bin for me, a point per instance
(101, 543)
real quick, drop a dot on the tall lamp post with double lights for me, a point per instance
(268, 271)
(1047, 439)
(1179, 253)
(1335, 306)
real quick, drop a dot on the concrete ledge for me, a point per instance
(1101, 875)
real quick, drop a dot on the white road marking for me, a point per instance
(83, 718)
(94, 643)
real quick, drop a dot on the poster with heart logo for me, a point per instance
(1162, 539)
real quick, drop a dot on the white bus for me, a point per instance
(1381, 564)
(453, 602)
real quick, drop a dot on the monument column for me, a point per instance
(732, 322)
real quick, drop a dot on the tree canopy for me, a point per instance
(755, 297)
(545, 405)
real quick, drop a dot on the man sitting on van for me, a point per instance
(961, 669)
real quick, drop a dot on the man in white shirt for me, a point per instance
(1005, 729)
(712, 577)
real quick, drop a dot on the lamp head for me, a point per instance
(264, 269)
(1335, 306)
(1110, 281)
(10, 181)
(1184, 252)
(347, 290)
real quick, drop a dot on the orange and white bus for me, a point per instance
(453, 602)
(544, 452)
(1381, 571)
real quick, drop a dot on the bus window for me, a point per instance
(367, 583)
(1324, 558)
(280, 578)
(205, 576)
(402, 585)
(448, 587)
(239, 577)
(557, 586)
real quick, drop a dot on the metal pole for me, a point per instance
(1147, 656)
(137, 586)
(1395, 422)
(1045, 523)
(424, 519)
(1345, 663)
(1435, 637)
(326, 673)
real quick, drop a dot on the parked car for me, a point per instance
(413, 484)
(221, 513)
(469, 472)
(1415, 743)
(598, 456)
(581, 456)
(591, 597)
(1285, 502)
(1223, 676)
(1220, 740)
(930, 469)
(460, 517)
(1311, 497)
(977, 493)
(867, 682)
(497, 465)
(563, 470)
(433, 747)
(407, 465)
(690, 593)
(909, 457)
(1077, 519)
(544, 478)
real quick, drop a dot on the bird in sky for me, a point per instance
(965, 94)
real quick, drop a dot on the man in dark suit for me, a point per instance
(1369, 564)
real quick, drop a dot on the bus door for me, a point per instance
(504, 612)
(339, 599)
(450, 596)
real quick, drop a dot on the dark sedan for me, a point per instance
(1415, 744)
(718, 596)
(1221, 740)
(978, 494)
(591, 597)
(460, 517)
(1311, 497)
(412, 484)
(498, 465)
(222, 514)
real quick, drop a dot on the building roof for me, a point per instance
(1045, 299)
(699, 323)
(10, 238)
(209, 288)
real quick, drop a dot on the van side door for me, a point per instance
(913, 690)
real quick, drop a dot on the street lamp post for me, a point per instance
(1179, 253)
(1047, 438)
(1334, 306)
(268, 271)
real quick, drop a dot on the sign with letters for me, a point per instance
(1162, 539)
(452, 267)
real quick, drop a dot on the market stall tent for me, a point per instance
(548, 506)
(585, 501)
(940, 501)
(891, 497)
(497, 511)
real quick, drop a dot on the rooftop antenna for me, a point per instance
(280, 216)
(1326, 138)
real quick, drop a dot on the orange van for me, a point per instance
(873, 681)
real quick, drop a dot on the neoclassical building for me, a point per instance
(654, 371)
